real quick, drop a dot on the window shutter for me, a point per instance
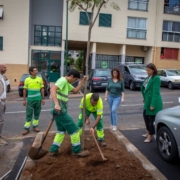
(84, 19)
(170, 53)
(175, 54)
(105, 20)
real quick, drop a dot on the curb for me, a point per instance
(155, 173)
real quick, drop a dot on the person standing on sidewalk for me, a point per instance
(114, 94)
(64, 122)
(2, 100)
(94, 105)
(152, 99)
(34, 89)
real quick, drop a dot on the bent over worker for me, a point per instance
(34, 86)
(94, 105)
(64, 122)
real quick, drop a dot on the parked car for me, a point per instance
(98, 79)
(45, 82)
(167, 133)
(8, 86)
(133, 75)
(169, 77)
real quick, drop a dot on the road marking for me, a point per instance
(143, 104)
(45, 110)
(25, 111)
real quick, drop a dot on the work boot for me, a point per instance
(25, 132)
(102, 143)
(52, 154)
(81, 154)
(36, 129)
(3, 142)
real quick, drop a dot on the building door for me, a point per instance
(48, 62)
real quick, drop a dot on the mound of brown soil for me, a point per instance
(120, 164)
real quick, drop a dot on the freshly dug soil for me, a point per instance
(121, 165)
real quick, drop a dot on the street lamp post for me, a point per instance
(66, 35)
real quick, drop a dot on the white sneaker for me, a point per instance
(111, 126)
(114, 128)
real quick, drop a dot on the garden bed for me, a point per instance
(120, 165)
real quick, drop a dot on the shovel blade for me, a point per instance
(36, 153)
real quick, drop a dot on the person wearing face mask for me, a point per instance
(114, 95)
(2, 100)
(94, 106)
(152, 99)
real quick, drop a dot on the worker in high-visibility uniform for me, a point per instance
(34, 86)
(94, 105)
(64, 122)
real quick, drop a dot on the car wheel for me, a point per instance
(21, 94)
(91, 89)
(166, 144)
(131, 86)
(170, 85)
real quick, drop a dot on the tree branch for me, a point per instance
(98, 13)
(81, 6)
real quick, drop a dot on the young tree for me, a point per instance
(90, 5)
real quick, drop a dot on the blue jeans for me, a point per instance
(113, 102)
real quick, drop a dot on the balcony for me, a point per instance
(172, 9)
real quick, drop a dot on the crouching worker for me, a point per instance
(64, 122)
(94, 105)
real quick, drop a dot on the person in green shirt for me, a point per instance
(114, 94)
(64, 122)
(94, 105)
(34, 86)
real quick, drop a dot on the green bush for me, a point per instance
(79, 63)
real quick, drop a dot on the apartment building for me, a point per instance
(33, 32)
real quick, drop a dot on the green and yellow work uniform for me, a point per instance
(64, 121)
(95, 110)
(33, 87)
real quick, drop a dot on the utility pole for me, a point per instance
(66, 35)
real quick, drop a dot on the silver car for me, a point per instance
(169, 77)
(167, 133)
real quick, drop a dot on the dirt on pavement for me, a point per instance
(120, 165)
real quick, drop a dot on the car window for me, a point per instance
(126, 69)
(137, 69)
(101, 73)
(173, 72)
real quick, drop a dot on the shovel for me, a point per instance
(103, 158)
(36, 152)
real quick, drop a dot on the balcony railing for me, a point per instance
(172, 9)
(171, 36)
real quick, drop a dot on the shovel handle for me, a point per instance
(48, 128)
(98, 145)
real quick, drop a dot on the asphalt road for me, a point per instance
(129, 113)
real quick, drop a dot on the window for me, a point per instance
(169, 53)
(171, 31)
(47, 35)
(141, 5)
(172, 7)
(136, 28)
(105, 20)
(1, 43)
(1, 12)
(84, 19)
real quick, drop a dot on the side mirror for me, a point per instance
(164, 75)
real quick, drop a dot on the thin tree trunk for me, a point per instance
(85, 86)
